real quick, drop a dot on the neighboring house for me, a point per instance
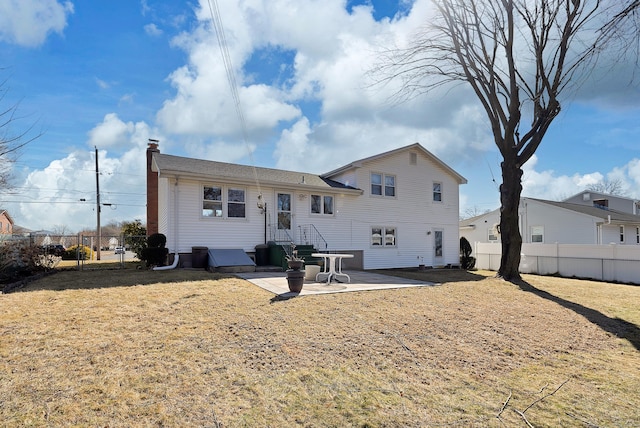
(549, 222)
(6, 223)
(395, 209)
(605, 201)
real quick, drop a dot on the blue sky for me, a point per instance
(113, 74)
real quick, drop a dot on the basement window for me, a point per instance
(537, 234)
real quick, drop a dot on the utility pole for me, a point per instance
(98, 206)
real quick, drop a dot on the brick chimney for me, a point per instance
(152, 190)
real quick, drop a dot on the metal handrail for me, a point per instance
(308, 234)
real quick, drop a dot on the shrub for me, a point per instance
(157, 240)
(77, 252)
(135, 236)
(466, 261)
(19, 259)
(155, 253)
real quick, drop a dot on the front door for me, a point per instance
(285, 218)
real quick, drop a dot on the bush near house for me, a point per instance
(155, 253)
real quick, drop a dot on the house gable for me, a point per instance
(6, 222)
(414, 154)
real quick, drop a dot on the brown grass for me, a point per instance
(190, 348)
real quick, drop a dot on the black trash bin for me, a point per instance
(262, 255)
(199, 257)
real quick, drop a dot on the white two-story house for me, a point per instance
(394, 209)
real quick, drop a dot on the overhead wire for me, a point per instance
(216, 19)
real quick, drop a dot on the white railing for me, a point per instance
(614, 263)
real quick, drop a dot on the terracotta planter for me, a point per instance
(295, 278)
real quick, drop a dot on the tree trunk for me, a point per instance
(510, 191)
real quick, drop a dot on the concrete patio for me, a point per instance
(276, 282)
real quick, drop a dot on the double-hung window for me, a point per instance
(383, 236)
(220, 202)
(437, 192)
(383, 184)
(322, 204)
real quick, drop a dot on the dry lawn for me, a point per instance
(130, 348)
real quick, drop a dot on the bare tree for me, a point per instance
(473, 211)
(519, 57)
(610, 187)
(10, 142)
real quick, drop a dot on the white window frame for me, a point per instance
(533, 233)
(213, 202)
(622, 234)
(238, 203)
(383, 185)
(224, 201)
(383, 237)
(436, 192)
(323, 205)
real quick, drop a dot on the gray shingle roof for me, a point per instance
(604, 214)
(212, 170)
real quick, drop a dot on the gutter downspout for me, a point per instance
(173, 265)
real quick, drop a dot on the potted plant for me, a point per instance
(295, 274)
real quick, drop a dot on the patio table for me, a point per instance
(330, 266)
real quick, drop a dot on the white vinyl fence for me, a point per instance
(619, 263)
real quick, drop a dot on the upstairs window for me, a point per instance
(383, 185)
(322, 204)
(390, 185)
(437, 192)
(622, 234)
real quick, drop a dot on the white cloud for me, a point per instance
(333, 52)
(112, 132)
(29, 22)
(102, 84)
(58, 188)
(549, 185)
(152, 30)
